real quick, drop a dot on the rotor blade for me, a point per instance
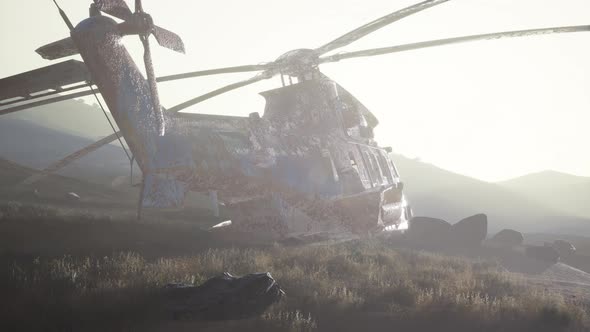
(217, 92)
(64, 16)
(45, 102)
(116, 8)
(71, 158)
(138, 6)
(54, 77)
(456, 40)
(59, 49)
(371, 27)
(168, 39)
(226, 70)
(31, 88)
(29, 101)
(32, 102)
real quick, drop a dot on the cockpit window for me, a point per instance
(385, 168)
(374, 169)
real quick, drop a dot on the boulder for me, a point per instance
(224, 297)
(470, 232)
(427, 231)
(543, 253)
(508, 238)
(564, 248)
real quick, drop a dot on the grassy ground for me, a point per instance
(363, 285)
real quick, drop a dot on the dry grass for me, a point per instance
(347, 287)
(105, 285)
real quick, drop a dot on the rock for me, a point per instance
(427, 231)
(543, 253)
(564, 248)
(508, 238)
(470, 232)
(224, 297)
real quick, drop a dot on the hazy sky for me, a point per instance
(491, 110)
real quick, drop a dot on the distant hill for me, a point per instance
(545, 179)
(557, 190)
(439, 193)
(72, 116)
(53, 188)
(34, 146)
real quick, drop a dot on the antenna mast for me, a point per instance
(64, 16)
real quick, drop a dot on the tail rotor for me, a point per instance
(141, 23)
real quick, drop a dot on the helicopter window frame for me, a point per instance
(374, 173)
(363, 170)
(377, 168)
(383, 161)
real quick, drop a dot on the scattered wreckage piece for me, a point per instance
(73, 197)
(564, 248)
(224, 297)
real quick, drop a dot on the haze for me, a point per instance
(491, 110)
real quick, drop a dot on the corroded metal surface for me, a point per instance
(295, 170)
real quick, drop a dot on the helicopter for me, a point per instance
(309, 164)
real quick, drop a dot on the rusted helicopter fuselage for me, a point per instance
(308, 165)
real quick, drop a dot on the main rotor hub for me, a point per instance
(299, 62)
(139, 23)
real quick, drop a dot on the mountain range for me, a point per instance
(556, 190)
(38, 137)
(74, 117)
(542, 202)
